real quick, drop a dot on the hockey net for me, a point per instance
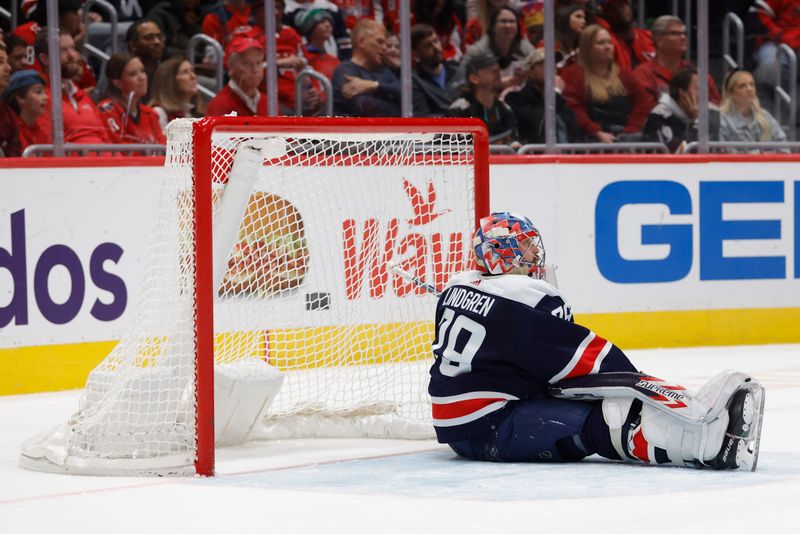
(304, 306)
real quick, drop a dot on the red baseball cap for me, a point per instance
(241, 44)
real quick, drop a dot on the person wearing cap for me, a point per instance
(81, 118)
(9, 136)
(527, 103)
(363, 86)
(245, 61)
(340, 44)
(482, 100)
(27, 96)
(435, 83)
(316, 26)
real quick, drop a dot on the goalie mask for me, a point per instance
(507, 243)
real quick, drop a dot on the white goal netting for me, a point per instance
(305, 289)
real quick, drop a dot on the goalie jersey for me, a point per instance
(500, 340)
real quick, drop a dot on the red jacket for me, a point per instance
(641, 48)
(577, 98)
(781, 18)
(222, 26)
(655, 79)
(227, 101)
(40, 133)
(82, 124)
(124, 128)
(9, 135)
(354, 10)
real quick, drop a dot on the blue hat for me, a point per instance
(21, 80)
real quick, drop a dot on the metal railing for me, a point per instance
(191, 53)
(717, 147)
(113, 20)
(308, 72)
(729, 62)
(782, 96)
(87, 149)
(597, 148)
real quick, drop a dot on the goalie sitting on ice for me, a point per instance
(515, 379)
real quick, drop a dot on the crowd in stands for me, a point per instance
(615, 81)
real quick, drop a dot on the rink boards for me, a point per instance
(652, 251)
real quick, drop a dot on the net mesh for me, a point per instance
(306, 289)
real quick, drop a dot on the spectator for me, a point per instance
(180, 21)
(339, 44)
(128, 120)
(245, 61)
(570, 22)
(780, 24)
(607, 100)
(669, 35)
(146, 41)
(442, 16)
(482, 100)
(362, 86)
(742, 117)
(504, 41)
(435, 83)
(175, 91)
(316, 25)
(477, 24)
(391, 57)
(20, 54)
(354, 10)
(633, 45)
(9, 136)
(81, 118)
(223, 19)
(27, 96)
(527, 103)
(674, 119)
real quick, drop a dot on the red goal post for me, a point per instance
(291, 296)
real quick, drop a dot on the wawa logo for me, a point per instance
(369, 244)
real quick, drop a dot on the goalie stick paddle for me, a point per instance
(405, 275)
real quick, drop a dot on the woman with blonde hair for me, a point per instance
(609, 103)
(174, 93)
(741, 116)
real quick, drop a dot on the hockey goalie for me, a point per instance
(516, 379)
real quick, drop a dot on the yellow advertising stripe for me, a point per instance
(696, 328)
(60, 367)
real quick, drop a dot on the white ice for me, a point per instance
(378, 486)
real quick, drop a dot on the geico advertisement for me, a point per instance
(664, 236)
(71, 244)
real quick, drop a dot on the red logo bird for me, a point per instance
(423, 207)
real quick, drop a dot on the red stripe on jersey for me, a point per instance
(640, 445)
(587, 359)
(461, 408)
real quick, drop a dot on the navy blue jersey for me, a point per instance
(503, 339)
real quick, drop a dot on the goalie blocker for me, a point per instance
(653, 421)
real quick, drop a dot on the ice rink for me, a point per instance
(378, 486)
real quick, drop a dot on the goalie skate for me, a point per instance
(742, 438)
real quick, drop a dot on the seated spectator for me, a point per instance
(435, 83)
(128, 120)
(669, 35)
(354, 10)
(9, 136)
(570, 22)
(20, 54)
(27, 96)
(362, 86)
(607, 100)
(245, 61)
(180, 21)
(316, 25)
(504, 40)
(742, 117)
(441, 14)
(483, 99)
(633, 45)
(174, 93)
(527, 103)
(674, 119)
(339, 44)
(222, 20)
(391, 57)
(779, 23)
(81, 118)
(477, 23)
(146, 41)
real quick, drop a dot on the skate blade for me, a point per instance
(747, 453)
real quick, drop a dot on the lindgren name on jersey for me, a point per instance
(458, 297)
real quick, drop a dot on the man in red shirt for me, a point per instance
(669, 34)
(82, 122)
(632, 45)
(245, 60)
(223, 21)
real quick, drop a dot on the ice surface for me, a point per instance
(388, 486)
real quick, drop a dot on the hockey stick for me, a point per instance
(405, 275)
